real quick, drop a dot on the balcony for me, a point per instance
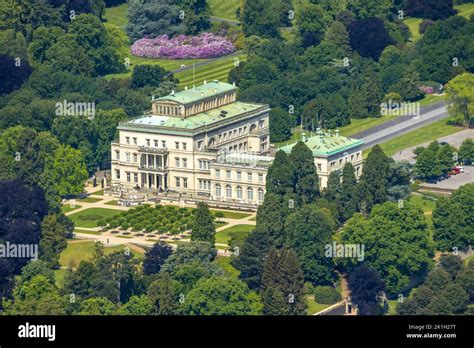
(153, 168)
(155, 150)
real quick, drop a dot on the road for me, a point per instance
(402, 125)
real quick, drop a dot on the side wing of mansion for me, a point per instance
(201, 144)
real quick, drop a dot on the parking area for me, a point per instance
(455, 181)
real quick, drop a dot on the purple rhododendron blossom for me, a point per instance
(205, 45)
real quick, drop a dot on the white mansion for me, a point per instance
(202, 144)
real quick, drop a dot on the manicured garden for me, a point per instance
(224, 8)
(69, 207)
(90, 200)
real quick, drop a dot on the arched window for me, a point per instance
(239, 192)
(250, 193)
(212, 141)
(261, 195)
(253, 127)
(228, 191)
(218, 190)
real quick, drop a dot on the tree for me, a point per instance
(14, 73)
(445, 158)
(37, 296)
(366, 288)
(460, 97)
(466, 151)
(409, 84)
(328, 111)
(396, 243)
(197, 15)
(452, 219)
(163, 293)
(427, 165)
(153, 18)
(280, 175)
(97, 306)
(68, 171)
(373, 185)
(53, 239)
(258, 71)
(457, 298)
(452, 264)
(416, 304)
(308, 231)
(432, 9)
(221, 296)
(43, 39)
(369, 37)
(136, 305)
(369, 8)
(261, 17)
(189, 252)
(338, 36)
(149, 75)
(349, 200)
(280, 125)
(306, 180)
(251, 257)
(312, 22)
(282, 288)
(155, 257)
(203, 227)
(22, 208)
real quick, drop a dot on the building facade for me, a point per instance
(203, 144)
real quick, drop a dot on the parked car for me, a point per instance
(460, 168)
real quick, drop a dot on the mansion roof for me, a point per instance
(195, 94)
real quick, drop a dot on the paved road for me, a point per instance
(402, 125)
(455, 181)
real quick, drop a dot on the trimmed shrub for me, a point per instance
(326, 295)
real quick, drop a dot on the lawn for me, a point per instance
(59, 275)
(98, 193)
(117, 15)
(224, 263)
(114, 202)
(78, 230)
(428, 133)
(465, 10)
(88, 218)
(67, 208)
(423, 202)
(314, 307)
(232, 214)
(217, 70)
(78, 251)
(224, 8)
(90, 200)
(223, 237)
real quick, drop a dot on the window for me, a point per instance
(185, 163)
(117, 173)
(185, 146)
(260, 195)
(117, 155)
(163, 143)
(135, 158)
(352, 158)
(204, 184)
(228, 191)
(239, 175)
(218, 190)
(239, 192)
(176, 144)
(240, 131)
(134, 140)
(185, 182)
(357, 155)
(178, 182)
(250, 193)
(260, 177)
(135, 177)
(228, 174)
(127, 157)
(340, 162)
(127, 140)
(200, 144)
(128, 177)
(147, 142)
(155, 142)
(176, 161)
(249, 177)
(218, 173)
(332, 164)
(319, 167)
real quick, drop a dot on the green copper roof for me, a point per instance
(325, 144)
(203, 119)
(204, 91)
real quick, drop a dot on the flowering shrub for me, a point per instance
(206, 45)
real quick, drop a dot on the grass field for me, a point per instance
(76, 251)
(88, 218)
(217, 70)
(98, 193)
(78, 230)
(224, 8)
(427, 205)
(117, 15)
(90, 200)
(314, 307)
(223, 237)
(231, 214)
(428, 133)
(224, 262)
(67, 208)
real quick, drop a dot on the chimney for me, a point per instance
(233, 84)
(172, 92)
(185, 88)
(205, 82)
(337, 133)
